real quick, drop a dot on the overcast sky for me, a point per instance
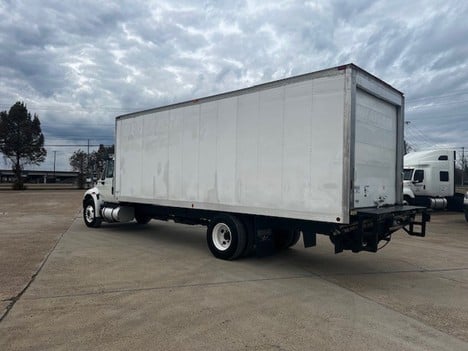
(78, 64)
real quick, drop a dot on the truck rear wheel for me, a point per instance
(89, 214)
(226, 237)
(141, 218)
(284, 239)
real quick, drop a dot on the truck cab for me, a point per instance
(105, 184)
(429, 177)
(465, 206)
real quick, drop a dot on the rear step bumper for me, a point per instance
(372, 225)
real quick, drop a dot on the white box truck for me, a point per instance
(320, 153)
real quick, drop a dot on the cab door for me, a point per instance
(106, 182)
(419, 184)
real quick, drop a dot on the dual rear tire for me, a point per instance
(228, 238)
(285, 238)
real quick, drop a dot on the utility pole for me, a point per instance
(55, 158)
(463, 167)
(87, 163)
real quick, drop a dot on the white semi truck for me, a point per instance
(320, 153)
(429, 179)
(465, 206)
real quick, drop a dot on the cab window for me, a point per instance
(444, 176)
(110, 169)
(407, 174)
(419, 175)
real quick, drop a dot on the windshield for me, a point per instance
(408, 174)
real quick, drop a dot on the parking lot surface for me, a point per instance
(125, 286)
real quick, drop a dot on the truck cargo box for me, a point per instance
(319, 147)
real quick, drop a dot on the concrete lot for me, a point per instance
(31, 222)
(158, 287)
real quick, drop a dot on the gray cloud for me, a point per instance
(79, 64)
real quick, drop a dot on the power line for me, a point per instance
(77, 108)
(79, 137)
(47, 123)
(74, 145)
(441, 96)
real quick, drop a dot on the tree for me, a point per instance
(408, 147)
(79, 163)
(21, 139)
(90, 165)
(99, 157)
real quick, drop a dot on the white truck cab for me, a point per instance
(429, 177)
(465, 206)
(100, 203)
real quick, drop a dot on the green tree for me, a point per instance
(90, 166)
(79, 163)
(21, 139)
(99, 157)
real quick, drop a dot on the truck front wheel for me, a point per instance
(226, 237)
(407, 200)
(89, 214)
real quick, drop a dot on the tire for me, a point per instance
(295, 238)
(226, 237)
(89, 214)
(284, 239)
(142, 219)
(407, 200)
(466, 214)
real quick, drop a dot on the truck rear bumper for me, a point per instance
(372, 225)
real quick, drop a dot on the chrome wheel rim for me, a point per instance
(89, 213)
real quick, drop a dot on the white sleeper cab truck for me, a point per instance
(429, 179)
(465, 206)
(320, 153)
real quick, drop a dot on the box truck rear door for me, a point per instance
(375, 151)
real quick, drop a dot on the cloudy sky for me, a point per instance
(78, 64)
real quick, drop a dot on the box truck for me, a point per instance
(319, 153)
(429, 179)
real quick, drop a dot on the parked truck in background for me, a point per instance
(320, 153)
(429, 179)
(465, 206)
